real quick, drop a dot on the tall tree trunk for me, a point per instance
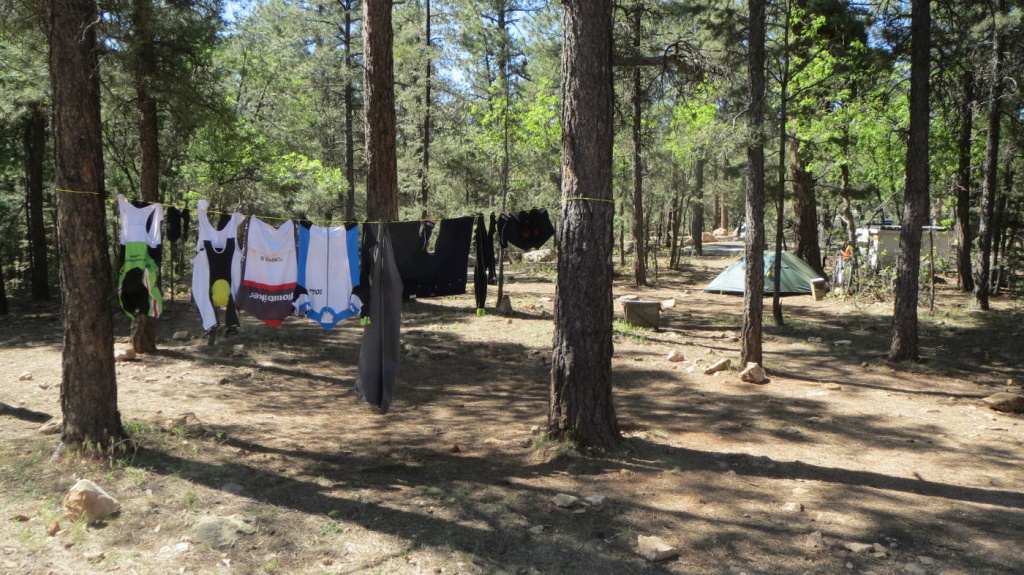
(581, 375)
(429, 72)
(988, 190)
(915, 210)
(636, 99)
(753, 292)
(697, 218)
(35, 147)
(504, 56)
(780, 192)
(349, 105)
(805, 208)
(999, 225)
(963, 185)
(144, 326)
(379, 106)
(88, 390)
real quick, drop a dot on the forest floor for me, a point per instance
(838, 448)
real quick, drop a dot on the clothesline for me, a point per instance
(166, 205)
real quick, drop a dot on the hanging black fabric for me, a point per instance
(173, 224)
(480, 238)
(426, 274)
(379, 356)
(525, 230)
(489, 260)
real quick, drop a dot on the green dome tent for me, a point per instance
(796, 277)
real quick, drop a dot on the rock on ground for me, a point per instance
(675, 355)
(221, 531)
(181, 336)
(87, 499)
(565, 500)
(1004, 401)
(537, 256)
(51, 427)
(753, 373)
(720, 365)
(124, 354)
(655, 548)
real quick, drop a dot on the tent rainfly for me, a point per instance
(796, 277)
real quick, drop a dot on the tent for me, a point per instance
(796, 277)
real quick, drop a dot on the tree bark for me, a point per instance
(429, 72)
(581, 407)
(805, 208)
(636, 99)
(697, 217)
(988, 190)
(963, 186)
(143, 332)
(753, 292)
(379, 107)
(35, 146)
(915, 210)
(88, 393)
(349, 105)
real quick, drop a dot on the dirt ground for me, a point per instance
(839, 448)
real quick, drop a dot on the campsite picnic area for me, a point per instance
(254, 456)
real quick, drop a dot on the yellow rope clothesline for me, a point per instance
(110, 200)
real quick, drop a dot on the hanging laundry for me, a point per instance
(217, 269)
(379, 355)
(173, 224)
(489, 260)
(328, 261)
(525, 230)
(141, 239)
(269, 271)
(185, 215)
(426, 274)
(480, 240)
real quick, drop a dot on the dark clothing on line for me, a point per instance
(480, 239)
(426, 274)
(379, 356)
(525, 230)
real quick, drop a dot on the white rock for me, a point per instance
(85, 498)
(858, 547)
(26, 376)
(753, 373)
(595, 500)
(538, 529)
(914, 569)
(565, 500)
(820, 419)
(1003, 401)
(925, 560)
(720, 365)
(181, 336)
(51, 427)
(668, 303)
(675, 355)
(124, 354)
(788, 430)
(238, 350)
(842, 342)
(814, 339)
(655, 548)
(537, 256)
(794, 507)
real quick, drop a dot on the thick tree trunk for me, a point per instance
(88, 392)
(379, 106)
(143, 326)
(35, 147)
(636, 99)
(429, 72)
(988, 190)
(753, 293)
(581, 387)
(963, 186)
(349, 104)
(915, 210)
(805, 208)
(697, 217)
